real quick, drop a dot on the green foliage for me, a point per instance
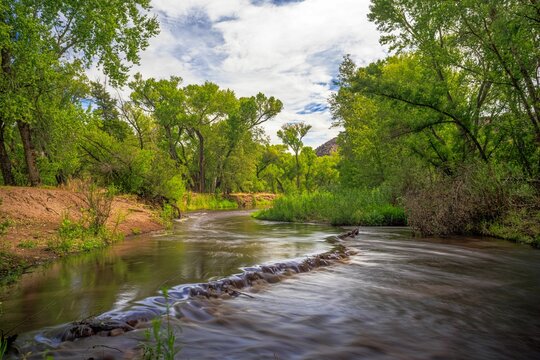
(4, 226)
(482, 59)
(98, 205)
(74, 236)
(339, 207)
(163, 340)
(3, 346)
(448, 122)
(195, 201)
(291, 134)
(11, 267)
(166, 216)
(45, 47)
(27, 244)
(89, 232)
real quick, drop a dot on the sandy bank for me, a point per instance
(31, 218)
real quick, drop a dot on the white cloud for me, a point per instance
(291, 51)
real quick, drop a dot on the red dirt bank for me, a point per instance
(36, 213)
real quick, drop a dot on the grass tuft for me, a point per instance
(197, 201)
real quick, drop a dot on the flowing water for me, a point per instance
(394, 297)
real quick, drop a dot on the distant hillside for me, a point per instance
(327, 148)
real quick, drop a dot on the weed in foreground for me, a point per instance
(161, 340)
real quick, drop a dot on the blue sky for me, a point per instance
(290, 49)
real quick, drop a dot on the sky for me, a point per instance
(290, 49)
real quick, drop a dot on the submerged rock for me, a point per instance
(224, 288)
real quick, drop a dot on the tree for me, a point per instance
(494, 45)
(205, 104)
(251, 113)
(41, 37)
(106, 107)
(291, 135)
(165, 101)
(141, 123)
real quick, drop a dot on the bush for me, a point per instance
(521, 221)
(458, 204)
(89, 232)
(98, 204)
(74, 236)
(166, 216)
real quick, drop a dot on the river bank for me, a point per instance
(31, 217)
(518, 221)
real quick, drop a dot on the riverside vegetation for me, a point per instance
(443, 134)
(447, 126)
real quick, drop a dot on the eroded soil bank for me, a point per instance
(30, 219)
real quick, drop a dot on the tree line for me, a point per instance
(152, 137)
(450, 121)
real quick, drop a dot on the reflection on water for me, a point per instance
(199, 249)
(397, 298)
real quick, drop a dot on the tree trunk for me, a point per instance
(222, 167)
(297, 171)
(5, 162)
(172, 145)
(201, 160)
(29, 153)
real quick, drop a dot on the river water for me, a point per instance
(397, 297)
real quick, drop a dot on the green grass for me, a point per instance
(341, 207)
(207, 202)
(518, 225)
(27, 244)
(4, 226)
(75, 237)
(11, 267)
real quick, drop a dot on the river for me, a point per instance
(394, 297)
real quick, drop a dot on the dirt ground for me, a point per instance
(33, 215)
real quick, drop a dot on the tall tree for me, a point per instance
(493, 44)
(40, 36)
(251, 113)
(205, 105)
(165, 101)
(108, 110)
(291, 135)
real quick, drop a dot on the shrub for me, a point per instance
(166, 216)
(98, 204)
(75, 236)
(457, 204)
(27, 244)
(4, 226)
(197, 201)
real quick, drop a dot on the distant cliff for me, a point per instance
(327, 148)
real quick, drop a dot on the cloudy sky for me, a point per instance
(290, 49)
